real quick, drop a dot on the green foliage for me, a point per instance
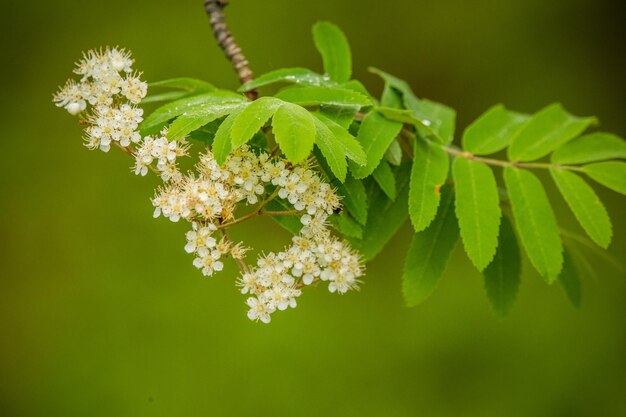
(335, 50)
(383, 175)
(594, 147)
(385, 216)
(492, 131)
(375, 135)
(546, 131)
(611, 174)
(300, 76)
(585, 204)
(429, 172)
(429, 253)
(183, 87)
(478, 209)
(389, 159)
(330, 96)
(535, 221)
(502, 276)
(570, 280)
(252, 119)
(294, 130)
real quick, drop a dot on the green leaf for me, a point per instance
(185, 83)
(593, 147)
(198, 117)
(535, 222)
(406, 116)
(375, 135)
(492, 131)
(206, 133)
(356, 85)
(586, 206)
(294, 130)
(252, 119)
(335, 50)
(154, 122)
(222, 143)
(611, 174)
(301, 76)
(429, 172)
(166, 96)
(502, 276)
(383, 175)
(393, 154)
(478, 209)
(351, 147)
(342, 115)
(355, 198)
(314, 96)
(391, 97)
(385, 216)
(346, 225)
(290, 223)
(438, 117)
(396, 83)
(546, 131)
(429, 253)
(332, 150)
(570, 280)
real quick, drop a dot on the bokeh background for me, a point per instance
(102, 313)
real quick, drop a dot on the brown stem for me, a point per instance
(226, 41)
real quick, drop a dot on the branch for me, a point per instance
(226, 41)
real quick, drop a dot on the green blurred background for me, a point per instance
(102, 313)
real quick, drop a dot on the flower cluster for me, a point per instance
(107, 84)
(276, 281)
(162, 150)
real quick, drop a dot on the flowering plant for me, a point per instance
(342, 170)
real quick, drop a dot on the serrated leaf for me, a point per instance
(502, 276)
(385, 216)
(570, 280)
(429, 253)
(314, 96)
(393, 154)
(547, 130)
(429, 172)
(351, 147)
(154, 122)
(492, 131)
(166, 96)
(342, 115)
(198, 117)
(593, 147)
(335, 50)
(222, 144)
(586, 206)
(206, 133)
(396, 83)
(294, 130)
(301, 76)
(252, 119)
(611, 174)
(478, 209)
(355, 198)
(383, 175)
(290, 223)
(356, 85)
(346, 225)
(438, 117)
(332, 150)
(535, 222)
(375, 135)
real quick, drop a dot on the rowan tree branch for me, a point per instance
(226, 41)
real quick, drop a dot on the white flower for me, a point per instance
(260, 309)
